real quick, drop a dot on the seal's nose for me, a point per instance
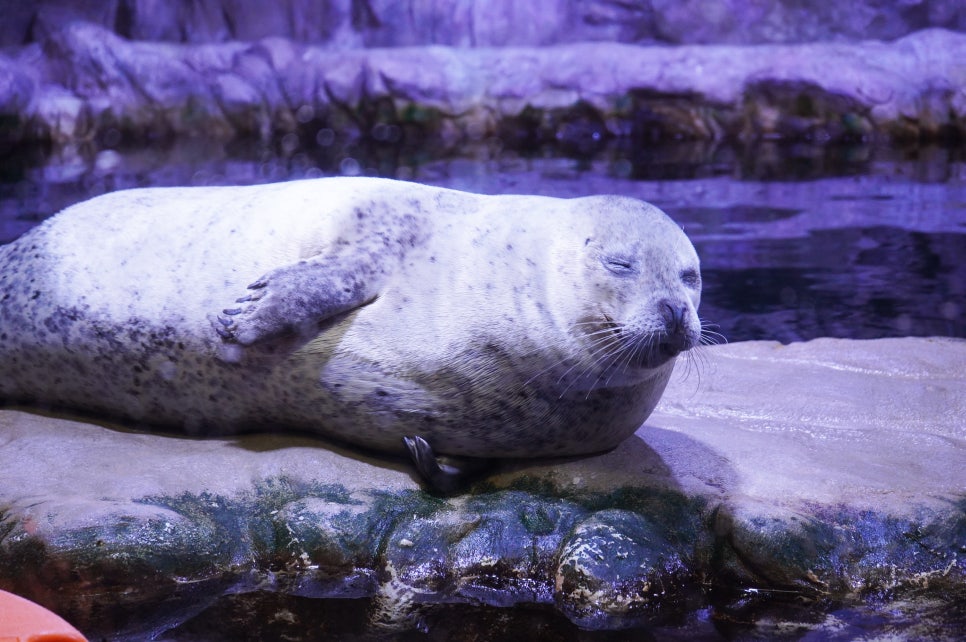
(676, 337)
(673, 316)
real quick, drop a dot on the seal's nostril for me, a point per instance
(675, 338)
(673, 316)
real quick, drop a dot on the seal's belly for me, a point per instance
(480, 402)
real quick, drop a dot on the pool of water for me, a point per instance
(795, 242)
(253, 616)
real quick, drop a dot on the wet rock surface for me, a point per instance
(83, 83)
(817, 485)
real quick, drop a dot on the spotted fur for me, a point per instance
(359, 308)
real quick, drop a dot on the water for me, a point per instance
(795, 242)
(254, 616)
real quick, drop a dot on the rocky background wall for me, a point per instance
(130, 71)
(477, 23)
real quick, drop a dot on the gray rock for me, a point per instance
(15, 87)
(87, 83)
(828, 473)
(773, 21)
(485, 23)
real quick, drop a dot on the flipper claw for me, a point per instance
(442, 477)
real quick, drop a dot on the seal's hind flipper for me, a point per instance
(296, 299)
(441, 476)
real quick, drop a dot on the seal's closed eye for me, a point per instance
(691, 278)
(619, 265)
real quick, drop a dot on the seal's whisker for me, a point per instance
(616, 354)
(562, 360)
(596, 339)
(709, 336)
(623, 354)
(597, 345)
(604, 332)
(689, 365)
(606, 344)
(613, 367)
(713, 337)
(632, 346)
(565, 341)
(644, 347)
(601, 356)
(697, 361)
(688, 368)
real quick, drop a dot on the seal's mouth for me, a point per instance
(657, 355)
(669, 349)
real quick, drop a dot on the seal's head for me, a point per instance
(641, 287)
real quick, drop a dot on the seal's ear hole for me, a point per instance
(619, 265)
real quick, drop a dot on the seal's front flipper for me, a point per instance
(295, 299)
(441, 476)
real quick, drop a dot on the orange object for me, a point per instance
(23, 621)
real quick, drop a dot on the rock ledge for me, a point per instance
(807, 476)
(84, 83)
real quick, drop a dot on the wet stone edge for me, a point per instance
(629, 557)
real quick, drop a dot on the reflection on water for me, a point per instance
(850, 282)
(796, 241)
(253, 616)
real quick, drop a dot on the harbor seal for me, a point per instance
(390, 315)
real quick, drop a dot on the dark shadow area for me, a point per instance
(254, 616)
